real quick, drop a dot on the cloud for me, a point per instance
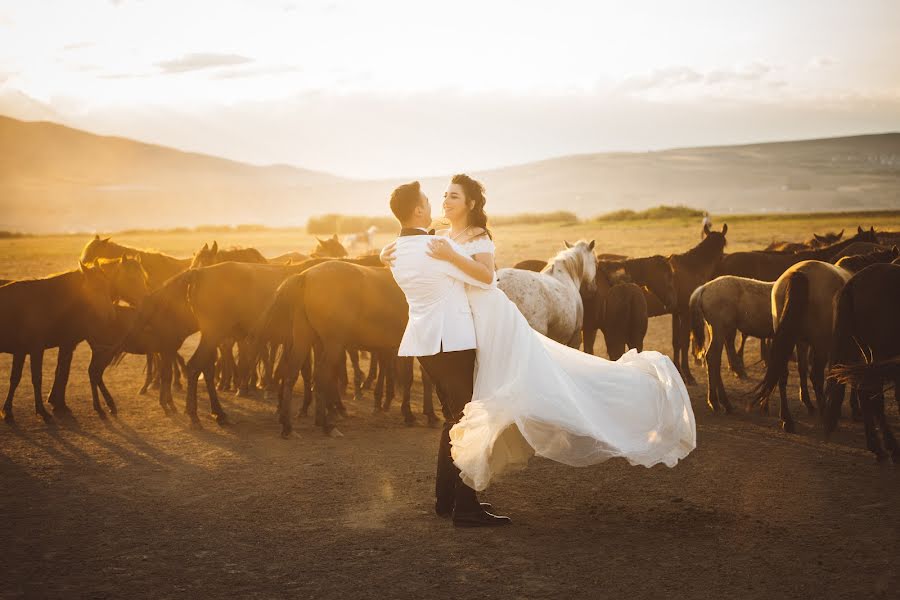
(821, 62)
(202, 60)
(679, 75)
(255, 71)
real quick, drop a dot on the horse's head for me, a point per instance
(655, 272)
(97, 293)
(865, 235)
(329, 247)
(826, 239)
(579, 258)
(99, 248)
(205, 256)
(128, 279)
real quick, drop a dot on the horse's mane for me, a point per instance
(861, 261)
(706, 249)
(568, 260)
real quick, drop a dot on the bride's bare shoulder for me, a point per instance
(478, 233)
(443, 232)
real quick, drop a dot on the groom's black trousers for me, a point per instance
(453, 374)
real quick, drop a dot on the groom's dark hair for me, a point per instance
(405, 199)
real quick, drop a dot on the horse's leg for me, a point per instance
(787, 420)
(327, 372)
(685, 344)
(803, 353)
(225, 366)
(872, 443)
(178, 370)
(589, 336)
(854, 403)
(735, 357)
(713, 368)
(817, 375)
(95, 374)
(203, 356)
(154, 380)
(306, 371)
(378, 392)
(887, 435)
(373, 371)
(357, 376)
(57, 398)
(390, 380)
(37, 375)
(764, 344)
(615, 345)
(166, 365)
(209, 374)
(148, 374)
(15, 375)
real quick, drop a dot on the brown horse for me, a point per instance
(654, 275)
(329, 247)
(55, 311)
(725, 305)
(288, 258)
(691, 270)
(531, 264)
(211, 255)
(129, 283)
(332, 307)
(873, 254)
(159, 267)
(866, 326)
(769, 266)
(623, 319)
(816, 241)
(802, 311)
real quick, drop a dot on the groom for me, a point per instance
(440, 331)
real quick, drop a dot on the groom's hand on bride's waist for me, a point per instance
(388, 254)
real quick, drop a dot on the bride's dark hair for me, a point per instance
(474, 191)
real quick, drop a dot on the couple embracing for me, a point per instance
(507, 391)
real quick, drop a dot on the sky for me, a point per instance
(398, 88)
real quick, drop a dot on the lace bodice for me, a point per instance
(479, 246)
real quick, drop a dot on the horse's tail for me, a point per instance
(796, 299)
(864, 372)
(278, 316)
(844, 353)
(698, 322)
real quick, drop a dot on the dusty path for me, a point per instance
(143, 507)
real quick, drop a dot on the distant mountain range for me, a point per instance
(54, 179)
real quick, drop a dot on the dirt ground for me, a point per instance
(142, 506)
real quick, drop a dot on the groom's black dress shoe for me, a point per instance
(479, 518)
(448, 512)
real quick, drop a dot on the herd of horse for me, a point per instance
(828, 302)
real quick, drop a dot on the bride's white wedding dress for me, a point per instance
(536, 396)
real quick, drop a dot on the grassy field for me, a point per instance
(41, 255)
(142, 506)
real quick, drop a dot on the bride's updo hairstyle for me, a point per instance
(474, 191)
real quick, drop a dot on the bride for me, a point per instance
(533, 395)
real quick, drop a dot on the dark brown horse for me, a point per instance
(816, 241)
(55, 311)
(329, 247)
(691, 270)
(211, 255)
(531, 264)
(129, 283)
(332, 307)
(768, 266)
(623, 319)
(654, 275)
(159, 267)
(867, 329)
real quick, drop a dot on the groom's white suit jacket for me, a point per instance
(439, 313)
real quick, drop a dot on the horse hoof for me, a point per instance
(728, 410)
(788, 427)
(195, 425)
(286, 435)
(409, 422)
(142, 391)
(47, 417)
(8, 417)
(101, 414)
(222, 420)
